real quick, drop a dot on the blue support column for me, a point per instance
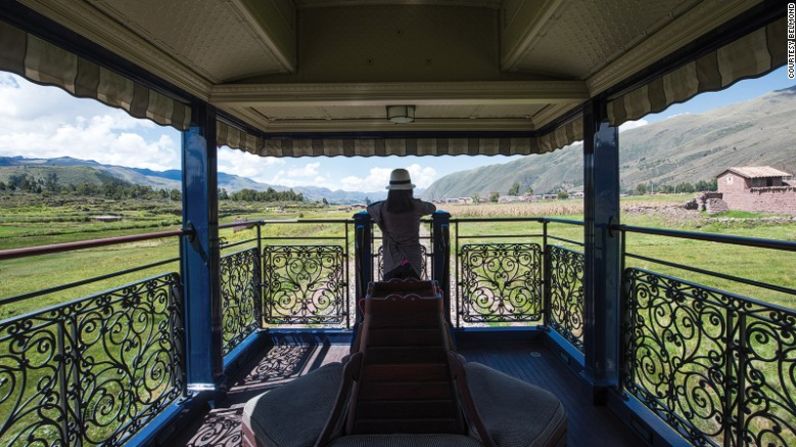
(200, 253)
(602, 275)
(363, 254)
(440, 268)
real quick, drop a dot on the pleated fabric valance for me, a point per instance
(752, 55)
(563, 135)
(44, 63)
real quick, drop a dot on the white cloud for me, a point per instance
(244, 164)
(308, 170)
(632, 125)
(378, 178)
(423, 177)
(676, 115)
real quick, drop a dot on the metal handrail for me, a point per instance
(772, 244)
(92, 243)
(497, 219)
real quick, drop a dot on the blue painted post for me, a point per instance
(440, 267)
(200, 253)
(602, 274)
(363, 254)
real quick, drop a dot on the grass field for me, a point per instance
(26, 223)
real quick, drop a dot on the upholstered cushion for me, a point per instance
(413, 440)
(515, 413)
(294, 414)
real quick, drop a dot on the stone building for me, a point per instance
(758, 188)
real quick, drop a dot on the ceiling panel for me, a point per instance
(379, 112)
(212, 37)
(585, 35)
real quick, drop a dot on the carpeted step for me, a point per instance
(365, 426)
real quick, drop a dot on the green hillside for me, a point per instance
(67, 175)
(685, 148)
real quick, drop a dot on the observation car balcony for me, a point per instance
(640, 348)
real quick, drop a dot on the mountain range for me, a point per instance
(684, 148)
(75, 171)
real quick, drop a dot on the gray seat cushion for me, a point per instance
(516, 413)
(413, 440)
(294, 414)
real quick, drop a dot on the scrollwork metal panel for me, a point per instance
(92, 371)
(379, 262)
(240, 296)
(501, 282)
(718, 367)
(566, 293)
(305, 284)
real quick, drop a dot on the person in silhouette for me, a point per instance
(398, 217)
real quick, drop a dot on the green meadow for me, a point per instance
(23, 222)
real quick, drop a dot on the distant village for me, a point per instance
(745, 188)
(497, 198)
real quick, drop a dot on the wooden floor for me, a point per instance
(531, 362)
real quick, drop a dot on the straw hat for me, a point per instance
(399, 179)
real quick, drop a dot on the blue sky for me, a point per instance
(38, 121)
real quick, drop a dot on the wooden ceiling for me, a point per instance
(334, 65)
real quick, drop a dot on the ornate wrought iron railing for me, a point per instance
(425, 266)
(308, 284)
(504, 275)
(95, 370)
(305, 284)
(716, 366)
(241, 289)
(500, 282)
(564, 273)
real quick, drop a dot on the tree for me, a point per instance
(223, 194)
(476, 198)
(562, 195)
(515, 189)
(325, 202)
(494, 197)
(529, 191)
(2, 186)
(51, 182)
(175, 195)
(21, 182)
(684, 187)
(641, 189)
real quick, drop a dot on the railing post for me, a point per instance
(440, 267)
(200, 252)
(545, 277)
(258, 302)
(602, 275)
(363, 235)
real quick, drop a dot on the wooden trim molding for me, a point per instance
(303, 4)
(279, 38)
(433, 93)
(530, 31)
